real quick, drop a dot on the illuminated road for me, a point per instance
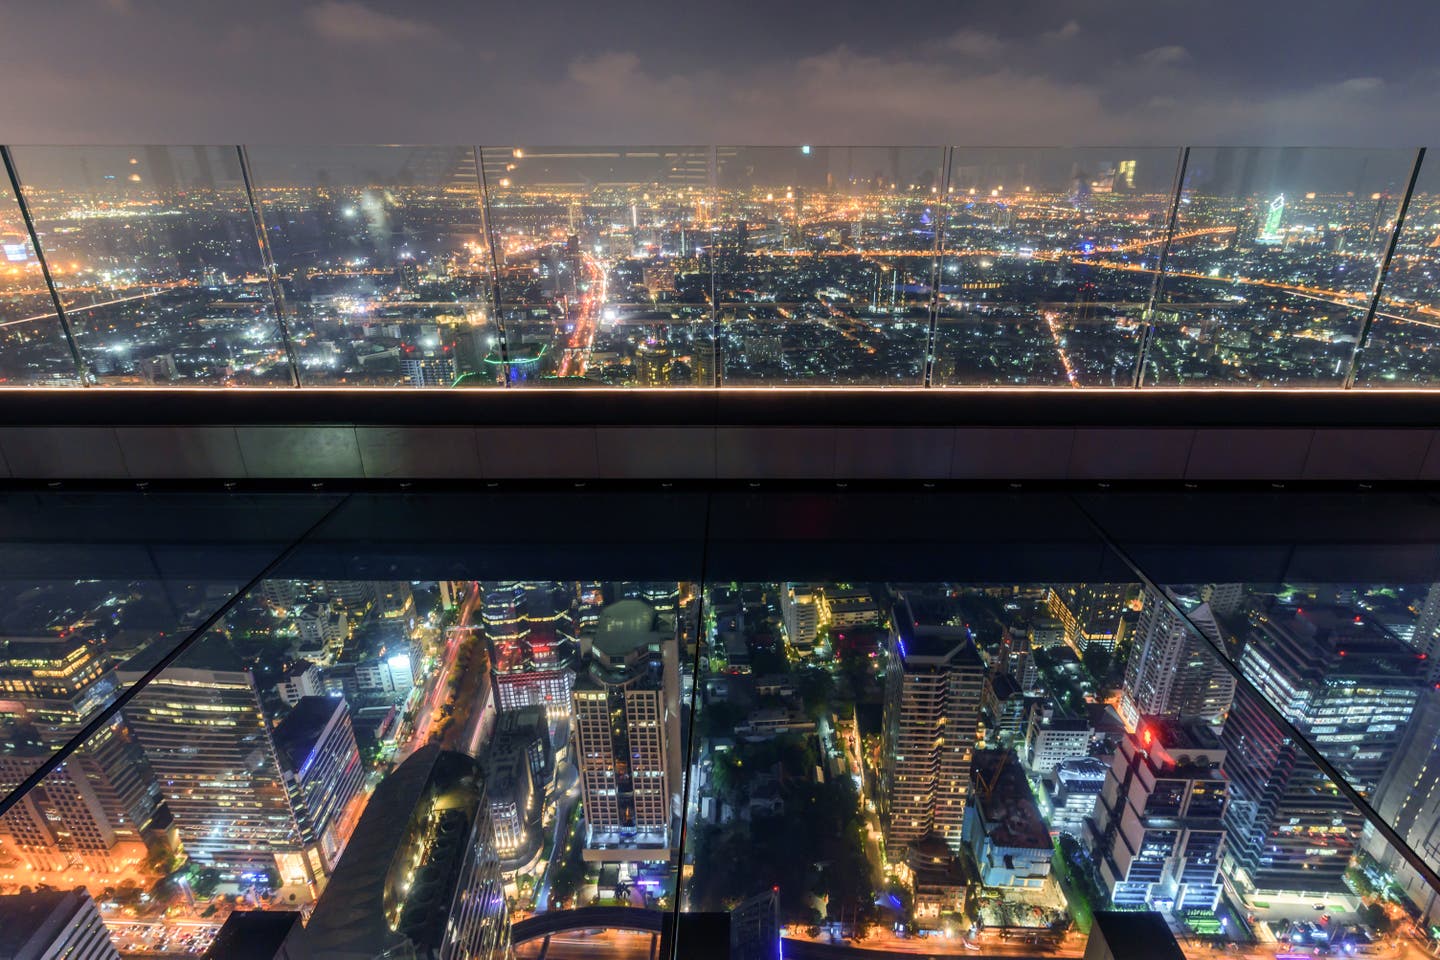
(620, 944)
(425, 719)
(154, 938)
(582, 338)
(568, 787)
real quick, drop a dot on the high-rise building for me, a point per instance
(1350, 687)
(1158, 831)
(53, 925)
(354, 595)
(1426, 637)
(1272, 230)
(934, 679)
(528, 729)
(1173, 671)
(428, 364)
(1408, 798)
(209, 741)
(626, 719)
(1091, 613)
(322, 630)
(1225, 599)
(515, 804)
(802, 618)
(321, 764)
(420, 876)
(1052, 737)
(89, 813)
(530, 635)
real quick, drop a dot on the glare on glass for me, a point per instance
(1273, 264)
(33, 350)
(604, 258)
(154, 255)
(383, 264)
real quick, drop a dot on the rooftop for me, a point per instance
(28, 921)
(1004, 801)
(302, 728)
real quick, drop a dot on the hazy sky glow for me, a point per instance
(576, 71)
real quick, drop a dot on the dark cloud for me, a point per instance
(1118, 71)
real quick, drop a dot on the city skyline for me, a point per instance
(439, 267)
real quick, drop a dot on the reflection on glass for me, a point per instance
(1049, 264)
(383, 263)
(154, 254)
(1273, 264)
(33, 350)
(823, 260)
(1348, 666)
(604, 258)
(1400, 350)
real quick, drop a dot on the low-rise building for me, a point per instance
(1003, 828)
(1053, 737)
(1070, 792)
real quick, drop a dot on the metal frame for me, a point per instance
(24, 207)
(1383, 271)
(487, 225)
(267, 263)
(937, 266)
(1142, 353)
(928, 360)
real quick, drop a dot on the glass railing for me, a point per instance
(703, 266)
(467, 725)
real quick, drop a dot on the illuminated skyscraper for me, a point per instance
(89, 812)
(934, 679)
(1171, 671)
(528, 628)
(1270, 229)
(1350, 687)
(627, 732)
(209, 742)
(1090, 612)
(1157, 832)
(321, 765)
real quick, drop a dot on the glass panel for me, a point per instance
(1400, 351)
(424, 754)
(823, 263)
(1345, 664)
(382, 256)
(88, 582)
(1273, 264)
(153, 250)
(1049, 264)
(32, 343)
(604, 256)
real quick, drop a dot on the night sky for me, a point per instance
(618, 71)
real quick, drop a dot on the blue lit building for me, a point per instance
(321, 764)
